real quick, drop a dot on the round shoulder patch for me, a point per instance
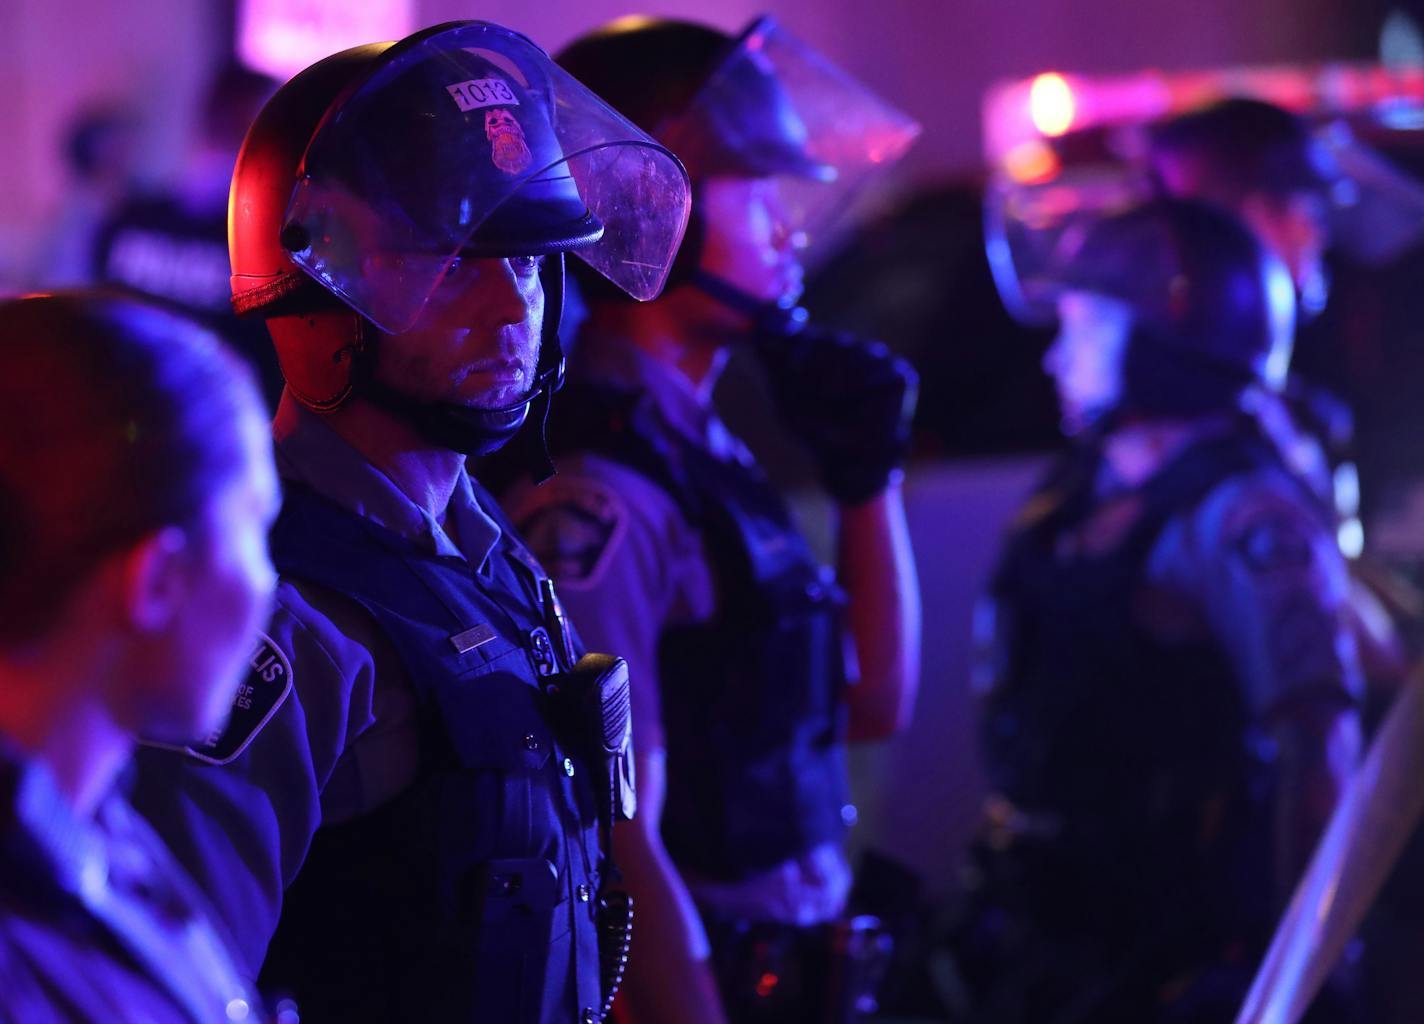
(1270, 533)
(259, 694)
(573, 527)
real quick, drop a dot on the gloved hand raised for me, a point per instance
(849, 400)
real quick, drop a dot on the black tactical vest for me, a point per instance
(470, 896)
(752, 700)
(1115, 727)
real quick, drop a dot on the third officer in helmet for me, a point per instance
(669, 542)
(1281, 178)
(1170, 686)
(407, 815)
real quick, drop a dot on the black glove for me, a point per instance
(849, 400)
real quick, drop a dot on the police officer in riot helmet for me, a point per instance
(1170, 687)
(1267, 166)
(669, 542)
(407, 815)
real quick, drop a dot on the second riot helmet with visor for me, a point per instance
(762, 104)
(1212, 310)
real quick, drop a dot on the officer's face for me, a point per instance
(476, 343)
(229, 582)
(750, 238)
(1085, 360)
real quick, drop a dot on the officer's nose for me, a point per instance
(502, 297)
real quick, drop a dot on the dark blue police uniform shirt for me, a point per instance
(97, 920)
(333, 726)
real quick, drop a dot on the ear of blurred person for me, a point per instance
(169, 243)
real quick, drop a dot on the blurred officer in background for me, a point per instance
(671, 545)
(100, 152)
(1271, 170)
(136, 490)
(171, 244)
(421, 736)
(1170, 681)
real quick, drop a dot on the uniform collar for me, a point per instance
(310, 452)
(1137, 453)
(42, 830)
(681, 404)
(116, 868)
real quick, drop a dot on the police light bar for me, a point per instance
(1022, 117)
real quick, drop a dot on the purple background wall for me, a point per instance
(933, 56)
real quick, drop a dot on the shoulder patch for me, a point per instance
(573, 527)
(1270, 534)
(1272, 546)
(259, 694)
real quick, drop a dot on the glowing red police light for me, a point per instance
(1032, 162)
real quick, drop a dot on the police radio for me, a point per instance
(593, 704)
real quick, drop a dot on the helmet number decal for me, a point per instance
(482, 92)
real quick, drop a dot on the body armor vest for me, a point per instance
(752, 699)
(1116, 729)
(468, 897)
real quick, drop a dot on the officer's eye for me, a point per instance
(526, 266)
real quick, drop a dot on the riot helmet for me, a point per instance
(1266, 165)
(1241, 145)
(371, 174)
(761, 104)
(1211, 310)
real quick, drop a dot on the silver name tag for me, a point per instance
(475, 636)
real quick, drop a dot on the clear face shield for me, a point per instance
(1374, 210)
(467, 141)
(1369, 211)
(777, 108)
(1028, 227)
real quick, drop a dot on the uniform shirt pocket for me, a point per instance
(492, 712)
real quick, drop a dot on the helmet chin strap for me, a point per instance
(782, 318)
(464, 429)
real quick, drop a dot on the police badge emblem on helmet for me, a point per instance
(508, 149)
